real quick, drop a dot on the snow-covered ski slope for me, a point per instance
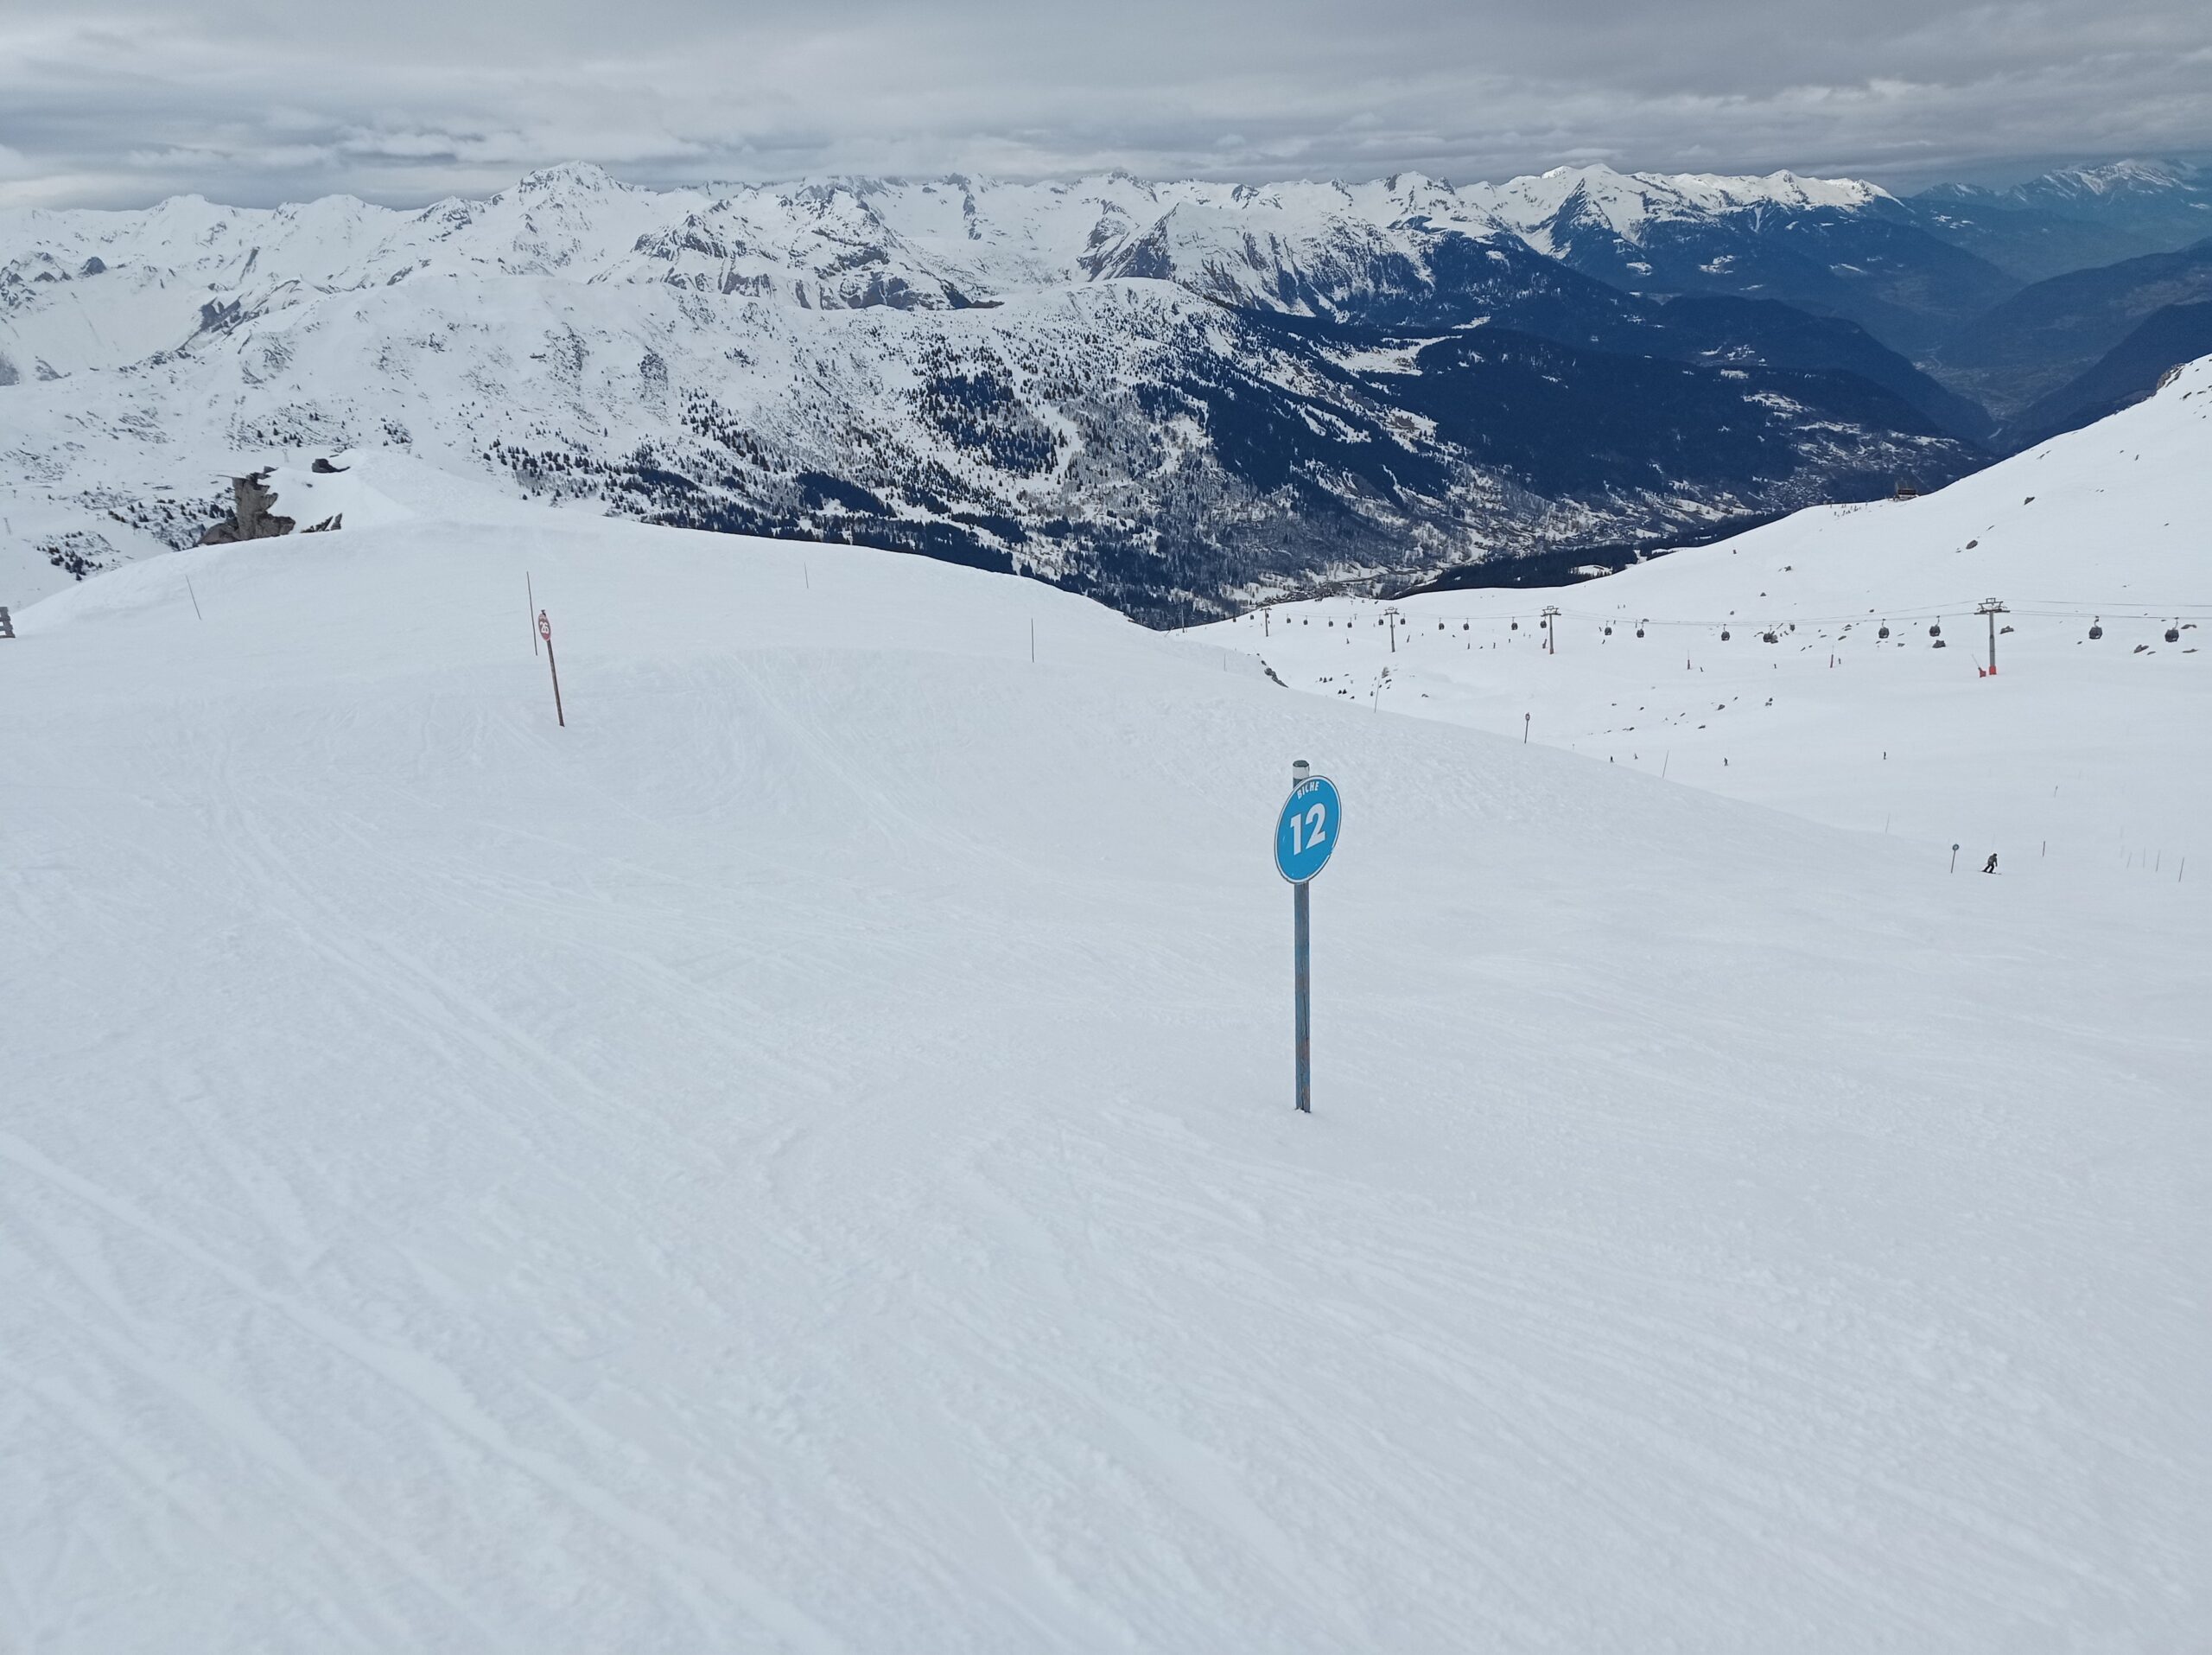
(2085, 750)
(802, 1157)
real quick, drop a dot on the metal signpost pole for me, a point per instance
(1303, 923)
(545, 631)
(1306, 837)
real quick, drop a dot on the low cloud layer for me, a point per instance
(106, 105)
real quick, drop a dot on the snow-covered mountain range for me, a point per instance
(2145, 196)
(1178, 396)
(836, 245)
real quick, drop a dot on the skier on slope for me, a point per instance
(1991, 866)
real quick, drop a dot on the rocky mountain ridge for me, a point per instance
(1181, 397)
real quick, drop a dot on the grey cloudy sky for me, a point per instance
(114, 103)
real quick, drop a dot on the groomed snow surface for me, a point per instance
(801, 1158)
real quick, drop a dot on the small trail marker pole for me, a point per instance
(194, 596)
(1033, 643)
(1305, 837)
(1954, 858)
(531, 593)
(545, 631)
(1524, 729)
(1302, 972)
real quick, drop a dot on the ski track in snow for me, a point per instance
(801, 1158)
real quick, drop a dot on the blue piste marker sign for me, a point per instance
(1306, 833)
(1305, 837)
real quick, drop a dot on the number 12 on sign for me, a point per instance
(1310, 827)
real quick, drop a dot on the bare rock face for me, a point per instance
(251, 517)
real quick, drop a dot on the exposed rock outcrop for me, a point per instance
(251, 514)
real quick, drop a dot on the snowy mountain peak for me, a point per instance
(2119, 193)
(570, 177)
(1542, 208)
(1787, 188)
(2120, 177)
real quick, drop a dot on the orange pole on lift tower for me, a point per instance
(1992, 607)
